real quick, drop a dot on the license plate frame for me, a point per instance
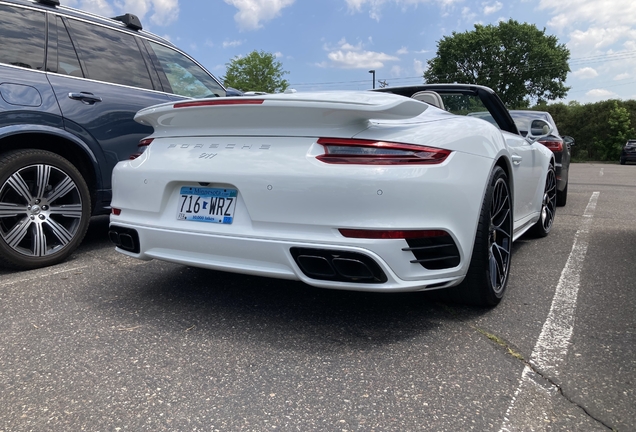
(207, 204)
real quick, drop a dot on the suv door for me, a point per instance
(101, 80)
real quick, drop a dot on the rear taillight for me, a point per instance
(141, 147)
(391, 234)
(367, 152)
(554, 145)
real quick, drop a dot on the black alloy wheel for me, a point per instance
(500, 237)
(44, 209)
(487, 277)
(548, 205)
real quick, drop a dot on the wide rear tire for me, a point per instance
(487, 277)
(45, 209)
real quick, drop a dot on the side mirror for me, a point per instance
(568, 140)
(538, 129)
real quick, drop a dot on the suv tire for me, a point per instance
(45, 209)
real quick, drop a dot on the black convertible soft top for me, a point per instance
(488, 97)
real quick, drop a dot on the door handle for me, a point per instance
(516, 159)
(87, 98)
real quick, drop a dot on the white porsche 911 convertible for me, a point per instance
(392, 190)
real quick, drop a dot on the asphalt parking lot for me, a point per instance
(107, 343)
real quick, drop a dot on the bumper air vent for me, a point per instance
(434, 253)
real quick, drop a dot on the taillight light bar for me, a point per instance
(391, 234)
(141, 147)
(213, 102)
(554, 145)
(368, 152)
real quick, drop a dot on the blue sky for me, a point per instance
(332, 44)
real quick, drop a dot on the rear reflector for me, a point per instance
(391, 234)
(115, 211)
(214, 102)
(367, 152)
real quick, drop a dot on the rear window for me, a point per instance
(185, 77)
(22, 36)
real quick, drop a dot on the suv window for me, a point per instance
(67, 62)
(184, 76)
(110, 55)
(22, 37)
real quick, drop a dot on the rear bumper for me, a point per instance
(275, 258)
(628, 157)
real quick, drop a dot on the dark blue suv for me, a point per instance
(70, 84)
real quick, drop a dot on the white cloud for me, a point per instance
(375, 6)
(278, 54)
(402, 51)
(585, 73)
(232, 44)
(491, 8)
(419, 67)
(347, 56)
(595, 38)
(101, 7)
(601, 94)
(609, 13)
(622, 76)
(252, 13)
(467, 15)
(396, 71)
(162, 12)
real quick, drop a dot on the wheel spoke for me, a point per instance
(42, 179)
(70, 210)
(19, 185)
(502, 231)
(62, 188)
(501, 207)
(502, 220)
(18, 232)
(493, 273)
(10, 210)
(59, 231)
(39, 241)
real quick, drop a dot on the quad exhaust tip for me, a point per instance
(124, 238)
(339, 266)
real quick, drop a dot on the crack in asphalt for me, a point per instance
(513, 352)
(510, 351)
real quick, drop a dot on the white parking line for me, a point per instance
(531, 404)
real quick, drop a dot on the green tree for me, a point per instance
(600, 128)
(519, 61)
(620, 130)
(258, 71)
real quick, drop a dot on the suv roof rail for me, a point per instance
(131, 21)
(50, 2)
